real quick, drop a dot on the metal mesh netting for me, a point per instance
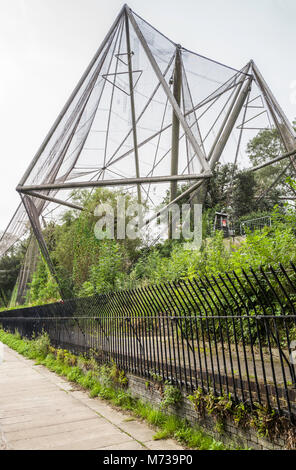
(94, 137)
(27, 270)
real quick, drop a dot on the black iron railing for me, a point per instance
(230, 333)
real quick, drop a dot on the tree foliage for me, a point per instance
(262, 148)
(9, 268)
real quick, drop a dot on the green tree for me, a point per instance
(83, 263)
(262, 148)
(220, 187)
(10, 265)
(232, 191)
(243, 196)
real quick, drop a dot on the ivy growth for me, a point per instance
(267, 422)
(171, 395)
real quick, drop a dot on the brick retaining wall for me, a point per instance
(232, 434)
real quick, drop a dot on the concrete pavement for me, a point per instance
(40, 410)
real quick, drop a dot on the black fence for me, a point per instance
(232, 333)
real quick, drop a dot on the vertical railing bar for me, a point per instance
(250, 334)
(133, 295)
(281, 285)
(181, 334)
(145, 298)
(150, 349)
(259, 338)
(189, 346)
(221, 333)
(110, 310)
(197, 337)
(117, 340)
(192, 335)
(138, 344)
(178, 359)
(234, 333)
(133, 332)
(153, 292)
(147, 343)
(287, 296)
(208, 330)
(128, 336)
(111, 335)
(146, 291)
(281, 354)
(242, 334)
(169, 343)
(108, 333)
(156, 314)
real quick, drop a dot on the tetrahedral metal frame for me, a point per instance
(36, 196)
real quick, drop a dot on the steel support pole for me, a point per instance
(274, 160)
(177, 88)
(220, 145)
(203, 188)
(132, 101)
(225, 120)
(285, 128)
(35, 224)
(225, 130)
(113, 182)
(177, 84)
(267, 92)
(53, 199)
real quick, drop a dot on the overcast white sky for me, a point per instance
(45, 45)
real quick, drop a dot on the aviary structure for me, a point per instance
(148, 115)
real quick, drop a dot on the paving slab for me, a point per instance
(164, 444)
(31, 422)
(132, 445)
(40, 410)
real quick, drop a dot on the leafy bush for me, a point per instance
(43, 288)
(41, 345)
(171, 396)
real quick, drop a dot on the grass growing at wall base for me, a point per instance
(107, 382)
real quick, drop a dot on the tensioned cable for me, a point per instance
(210, 98)
(157, 147)
(187, 50)
(185, 80)
(43, 204)
(143, 111)
(88, 90)
(73, 164)
(111, 101)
